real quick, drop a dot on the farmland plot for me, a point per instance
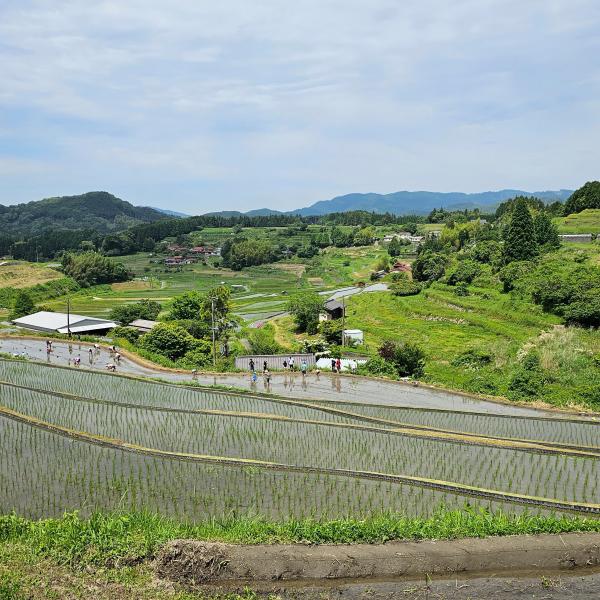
(90, 440)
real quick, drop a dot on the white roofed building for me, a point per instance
(52, 322)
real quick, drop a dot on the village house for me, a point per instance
(333, 309)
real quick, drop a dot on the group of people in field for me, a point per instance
(288, 365)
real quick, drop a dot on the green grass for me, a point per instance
(500, 324)
(587, 221)
(110, 538)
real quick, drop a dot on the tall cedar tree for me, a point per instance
(546, 232)
(519, 238)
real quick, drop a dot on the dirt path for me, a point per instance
(294, 566)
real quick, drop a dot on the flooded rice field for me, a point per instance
(88, 440)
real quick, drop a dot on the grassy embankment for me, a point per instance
(106, 555)
(587, 221)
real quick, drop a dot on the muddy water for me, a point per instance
(325, 386)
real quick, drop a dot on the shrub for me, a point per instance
(199, 356)
(144, 309)
(405, 287)
(465, 272)
(486, 252)
(462, 289)
(528, 380)
(91, 268)
(332, 331)
(131, 334)
(262, 341)
(429, 266)
(407, 358)
(305, 309)
(22, 306)
(585, 312)
(472, 358)
(513, 272)
(377, 366)
(168, 339)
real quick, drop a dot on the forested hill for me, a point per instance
(98, 211)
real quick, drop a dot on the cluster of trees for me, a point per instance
(186, 335)
(144, 309)
(91, 268)
(241, 252)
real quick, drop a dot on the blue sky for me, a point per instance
(197, 106)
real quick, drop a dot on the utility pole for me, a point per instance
(69, 315)
(212, 318)
(343, 318)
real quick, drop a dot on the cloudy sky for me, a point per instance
(197, 105)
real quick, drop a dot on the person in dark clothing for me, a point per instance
(265, 368)
(251, 364)
(333, 365)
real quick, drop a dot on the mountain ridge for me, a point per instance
(100, 211)
(407, 202)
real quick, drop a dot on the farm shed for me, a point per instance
(334, 309)
(143, 325)
(52, 322)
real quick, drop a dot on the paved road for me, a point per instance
(326, 386)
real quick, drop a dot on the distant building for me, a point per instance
(143, 325)
(52, 322)
(355, 336)
(333, 310)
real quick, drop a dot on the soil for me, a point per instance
(193, 563)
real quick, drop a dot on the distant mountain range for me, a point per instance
(407, 203)
(99, 211)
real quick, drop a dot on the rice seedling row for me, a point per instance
(42, 475)
(321, 446)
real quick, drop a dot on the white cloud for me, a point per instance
(268, 100)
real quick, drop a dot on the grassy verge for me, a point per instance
(128, 538)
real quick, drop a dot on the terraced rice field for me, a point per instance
(74, 439)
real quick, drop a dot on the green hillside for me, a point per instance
(99, 211)
(587, 221)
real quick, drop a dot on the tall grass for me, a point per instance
(118, 538)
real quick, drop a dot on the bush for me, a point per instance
(262, 341)
(407, 358)
(486, 252)
(584, 312)
(378, 367)
(305, 309)
(170, 340)
(472, 358)
(465, 272)
(513, 272)
(332, 331)
(429, 266)
(404, 286)
(199, 356)
(144, 309)
(131, 334)
(22, 306)
(461, 290)
(528, 380)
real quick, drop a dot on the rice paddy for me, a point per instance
(79, 440)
